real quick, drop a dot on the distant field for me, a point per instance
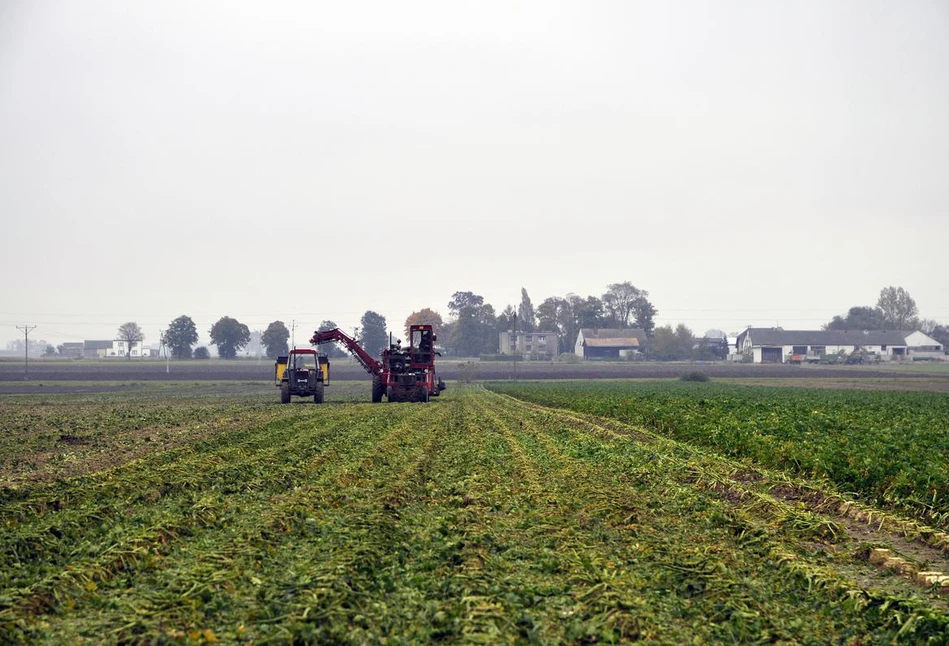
(344, 369)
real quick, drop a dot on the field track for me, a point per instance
(476, 518)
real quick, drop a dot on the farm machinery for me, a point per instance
(303, 373)
(402, 374)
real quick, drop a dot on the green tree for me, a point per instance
(898, 307)
(202, 353)
(526, 319)
(507, 319)
(669, 344)
(275, 339)
(643, 313)
(554, 314)
(50, 351)
(131, 334)
(180, 336)
(229, 335)
(859, 318)
(374, 336)
(475, 325)
(619, 302)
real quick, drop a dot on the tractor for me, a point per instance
(402, 374)
(303, 373)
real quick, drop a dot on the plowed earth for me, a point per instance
(476, 518)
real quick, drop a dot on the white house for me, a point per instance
(118, 349)
(773, 345)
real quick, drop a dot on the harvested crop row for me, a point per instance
(892, 447)
(476, 518)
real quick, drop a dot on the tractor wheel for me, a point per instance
(390, 394)
(377, 389)
(318, 395)
(285, 394)
(426, 397)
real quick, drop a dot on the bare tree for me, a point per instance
(131, 333)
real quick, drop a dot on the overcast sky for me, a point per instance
(745, 162)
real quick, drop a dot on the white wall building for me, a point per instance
(775, 345)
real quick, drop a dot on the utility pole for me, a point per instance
(514, 354)
(26, 348)
(163, 347)
(293, 329)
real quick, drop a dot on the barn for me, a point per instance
(607, 343)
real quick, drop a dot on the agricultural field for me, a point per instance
(891, 448)
(201, 514)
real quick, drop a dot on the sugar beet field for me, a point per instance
(598, 511)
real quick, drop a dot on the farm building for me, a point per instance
(95, 349)
(921, 345)
(609, 343)
(775, 345)
(114, 348)
(543, 345)
(72, 350)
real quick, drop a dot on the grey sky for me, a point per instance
(745, 162)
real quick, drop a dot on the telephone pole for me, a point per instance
(26, 348)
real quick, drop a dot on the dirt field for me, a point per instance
(450, 370)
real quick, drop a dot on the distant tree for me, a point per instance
(61, 348)
(374, 336)
(488, 325)
(37, 346)
(425, 316)
(50, 351)
(466, 334)
(859, 318)
(644, 313)
(940, 333)
(619, 301)
(554, 314)
(332, 350)
(229, 335)
(587, 312)
(898, 307)
(507, 319)
(667, 344)
(275, 339)
(131, 334)
(202, 353)
(180, 336)
(526, 320)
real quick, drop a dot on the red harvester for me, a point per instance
(403, 374)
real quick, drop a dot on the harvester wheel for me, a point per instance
(285, 394)
(377, 389)
(318, 395)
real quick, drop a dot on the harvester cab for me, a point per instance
(304, 373)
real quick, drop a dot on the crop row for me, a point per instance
(892, 447)
(476, 518)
